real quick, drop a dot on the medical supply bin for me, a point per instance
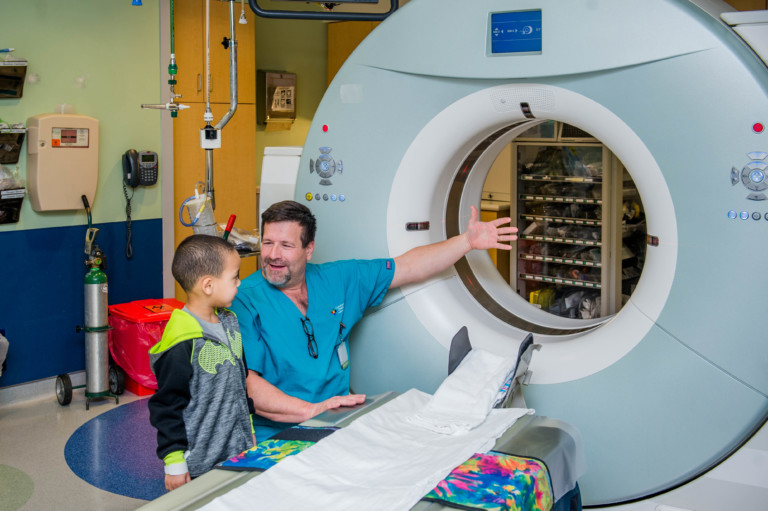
(136, 327)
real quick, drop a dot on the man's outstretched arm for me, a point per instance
(420, 263)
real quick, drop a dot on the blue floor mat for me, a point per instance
(115, 452)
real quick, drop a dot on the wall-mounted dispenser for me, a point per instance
(275, 99)
(11, 140)
(62, 160)
(13, 70)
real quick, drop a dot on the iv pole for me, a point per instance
(210, 135)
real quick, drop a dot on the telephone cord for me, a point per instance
(128, 229)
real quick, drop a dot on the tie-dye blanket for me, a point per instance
(498, 482)
(490, 481)
(265, 454)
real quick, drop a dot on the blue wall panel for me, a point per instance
(41, 297)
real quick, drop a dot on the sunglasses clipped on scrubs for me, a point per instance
(311, 343)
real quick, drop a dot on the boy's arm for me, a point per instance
(167, 405)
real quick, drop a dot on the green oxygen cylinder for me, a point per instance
(96, 327)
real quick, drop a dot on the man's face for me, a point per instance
(283, 258)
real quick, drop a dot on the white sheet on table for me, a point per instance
(380, 462)
(464, 399)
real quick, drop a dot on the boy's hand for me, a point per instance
(173, 482)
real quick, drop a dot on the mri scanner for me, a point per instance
(673, 387)
(399, 149)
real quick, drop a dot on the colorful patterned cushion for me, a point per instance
(265, 454)
(491, 481)
(496, 481)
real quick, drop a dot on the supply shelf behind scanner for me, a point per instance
(581, 223)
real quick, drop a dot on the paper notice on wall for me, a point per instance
(283, 99)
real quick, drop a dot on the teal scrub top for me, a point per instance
(274, 341)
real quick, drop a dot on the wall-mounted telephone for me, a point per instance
(139, 168)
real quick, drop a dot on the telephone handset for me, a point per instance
(139, 168)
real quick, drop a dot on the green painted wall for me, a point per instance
(103, 58)
(294, 46)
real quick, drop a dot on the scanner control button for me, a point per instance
(753, 176)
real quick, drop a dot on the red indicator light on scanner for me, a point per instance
(325, 128)
(758, 127)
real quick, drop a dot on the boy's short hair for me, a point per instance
(292, 211)
(198, 256)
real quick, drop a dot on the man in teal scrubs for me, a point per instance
(295, 317)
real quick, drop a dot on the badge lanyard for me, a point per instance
(341, 349)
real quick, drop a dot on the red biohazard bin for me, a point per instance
(136, 327)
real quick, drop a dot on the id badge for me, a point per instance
(341, 351)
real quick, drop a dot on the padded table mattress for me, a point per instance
(552, 446)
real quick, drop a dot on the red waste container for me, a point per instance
(136, 327)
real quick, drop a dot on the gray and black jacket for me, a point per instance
(200, 409)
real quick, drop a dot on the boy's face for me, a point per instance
(225, 285)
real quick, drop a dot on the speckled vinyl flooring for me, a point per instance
(56, 457)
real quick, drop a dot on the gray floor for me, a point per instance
(34, 429)
(34, 474)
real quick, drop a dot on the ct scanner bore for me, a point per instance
(674, 94)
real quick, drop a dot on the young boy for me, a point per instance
(200, 409)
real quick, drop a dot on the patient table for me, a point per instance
(550, 450)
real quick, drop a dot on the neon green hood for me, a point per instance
(181, 326)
